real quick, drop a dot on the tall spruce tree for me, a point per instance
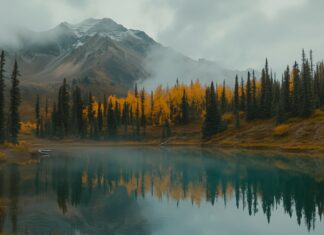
(131, 115)
(242, 98)
(280, 112)
(286, 98)
(266, 93)
(236, 102)
(311, 62)
(262, 95)
(307, 97)
(100, 119)
(254, 97)
(77, 113)
(223, 99)
(213, 121)
(317, 88)
(63, 109)
(2, 98)
(117, 113)
(277, 95)
(297, 90)
(15, 101)
(125, 117)
(249, 102)
(91, 115)
(111, 121)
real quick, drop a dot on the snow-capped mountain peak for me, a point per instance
(105, 27)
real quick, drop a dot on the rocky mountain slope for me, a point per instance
(102, 56)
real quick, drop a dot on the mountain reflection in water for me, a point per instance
(106, 191)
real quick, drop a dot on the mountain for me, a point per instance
(98, 55)
(102, 56)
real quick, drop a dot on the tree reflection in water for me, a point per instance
(258, 184)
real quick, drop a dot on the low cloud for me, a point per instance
(234, 33)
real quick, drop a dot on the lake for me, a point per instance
(133, 190)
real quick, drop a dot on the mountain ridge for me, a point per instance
(104, 56)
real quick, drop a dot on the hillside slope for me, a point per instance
(296, 135)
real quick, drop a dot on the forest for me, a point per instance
(298, 93)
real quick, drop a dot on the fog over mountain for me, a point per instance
(104, 57)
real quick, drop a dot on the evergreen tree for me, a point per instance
(117, 113)
(317, 89)
(184, 108)
(59, 116)
(254, 96)
(280, 115)
(286, 98)
(277, 95)
(262, 95)
(77, 113)
(266, 93)
(2, 98)
(249, 101)
(307, 97)
(242, 98)
(15, 101)
(236, 102)
(223, 99)
(296, 95)
(125, 116)
(131, 116)
(37, 116)
(100, 119)
(63, 110)
(91, 116)
(111, 121)
(311, 62)
(320, 75)
(213, 121)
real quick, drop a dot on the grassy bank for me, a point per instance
(296, 135)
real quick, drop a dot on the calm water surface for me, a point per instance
(163, 191)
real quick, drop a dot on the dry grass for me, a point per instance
(23, 146)
(281, 130)
(3, 157)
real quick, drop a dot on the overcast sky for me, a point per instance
(234, 33)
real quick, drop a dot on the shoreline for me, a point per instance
(306, 150)
(28, 153)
